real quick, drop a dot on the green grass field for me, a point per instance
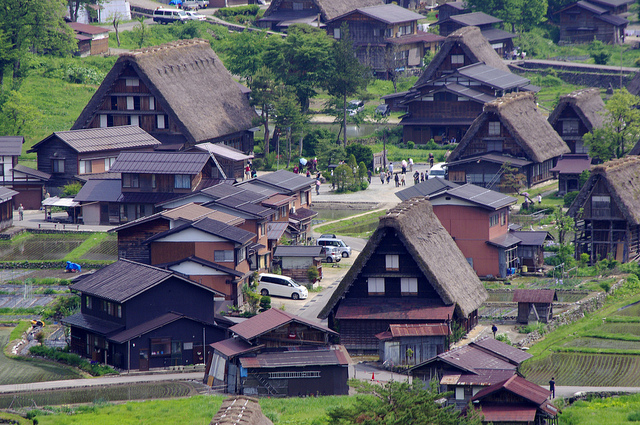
(361, 226)
(610, 411)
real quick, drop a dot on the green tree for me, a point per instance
(263, 96)
(362, 153)
(362, 172)
(301, 61)
(511, 180)
(140, 33)
(599, 52)
(243, 52)
(564, 224)
(289, 118)
(348, 76)
(18, 114)
(621, 127)
(523, 13)
(343, 176)
(75, 5)
(399, 403)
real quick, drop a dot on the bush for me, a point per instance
(411, 145)
(606, 286)
(312, 274)
(503, 338)
(568, 198)
(249, 10)
(63, 356)
(633, 417)
(265, 303)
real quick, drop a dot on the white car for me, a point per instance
(195, 16)
(438, 170)
(281, 286)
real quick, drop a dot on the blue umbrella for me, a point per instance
(303, 161)
(175, 2)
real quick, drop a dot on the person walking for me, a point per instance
(410, 164)
(21, 212)
(317, 186)
(388, 176)
(430, 160)
(397, 180)
(369, 176)
(421, 176)
(539, 199)
(552, 387)
(494, 329)
(382, 176)
(416, 177)
(402, 182)
(391, 167)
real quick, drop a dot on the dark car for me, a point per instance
(383, 110)
(328, 236)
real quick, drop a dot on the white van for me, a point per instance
(343, 248)
(438, 170)
(168, 16)
(281, 286)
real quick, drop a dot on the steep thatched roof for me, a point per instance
(474, 45)
(518, 112)
(330, 9)
(240, 410)
(621, 177)
(191, 84)
(433, 249)
(587, 103)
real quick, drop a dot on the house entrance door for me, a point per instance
(144, 360)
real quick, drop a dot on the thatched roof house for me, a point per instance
(410, 253)
(192, 94)
(475, 47)
(282, 13)
(609, 208)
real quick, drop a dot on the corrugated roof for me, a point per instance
(513, 354)
(393, 309)
(543, 296)
(92, 323)
(321, 357)
(11, 145)
(481, 196)
(103, 139)
(234, 346)
(124, 279)
(270, 320)
(425, 188)
(465, 91)
(276, 229)
(421, 329)
(224, 151)
(493, 77)
(160, 162)
(297, 251)
(98, 190)
(285, 181)
(474, 19)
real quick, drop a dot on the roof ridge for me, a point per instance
(166, 46)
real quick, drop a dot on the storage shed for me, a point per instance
(411, 344)
(534, 304)
(295, 260)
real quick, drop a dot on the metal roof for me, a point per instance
(474, 19)
(510, 353)
(492, 157)
(160, 162)
(87, 29)
(31, 172)
(531, 238)
(388, 13)
(270, 320)
(54, 201)
(278, 200)
(542, 296)
(285, 180)
(572, 164)
(297, 251)
(521, 387)
(301, 358)
(92, 323)
(103, 139)
(224, 151)
(212, 227)
(481, 196)
(393, 309)
(418, 329)
(204, 263)
(470, 358)
(98, 190)
(6, 193)
(505, 241)
(613, 19)
(143, 328)
(483, 377)
(11, 145)
(492, 76)
(509, 413)
(494, 34)
(302, 214)
(466, 91)
(276, 229)
(425, 188)
(234, 346)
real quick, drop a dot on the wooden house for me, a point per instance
(451, 8)
(585, 21)
(27, 182)
(92, 40)
(468, 369)
(576, 114)
(135, 316)
(515, 401)
(145, 180)
(402, 277)
(534, 304)
(568, 170)
(6, 206)
(178, 92)
(465, 74)
(385, 37)
(281, 14)
(70, 155)
(295, 261)
(531, 248)
(411, 344)
(607, 212)
(511, 130)
(278, 354)
(500, 40)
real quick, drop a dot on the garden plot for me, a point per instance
(105, 251)
(40, 249)
(488, 311)
(619, 328)
(21, 302)
(603, 343)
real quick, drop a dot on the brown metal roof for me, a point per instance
(509, 413)
(143, 328)
(278, 200)
(420, 329)
(470, 358)
(321, 357)
(542, 296)
(572, 164)
(393, 309)
(529, 391)
(223, 151)
(103, 139)
(87, 29)
(160, 162)
(270, 320)
(276, 229)
(483, 377)
(510, 353)
(234, 346)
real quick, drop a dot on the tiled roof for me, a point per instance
(234, 346)
(160, 162)
(270, 320)
(103, 139)
(510, 353)
(320, 357)
(146, 197)
(297, 251)
(92, 323)
(11, 145)
(98, 190)
(212, 227)
(278, 200)
(31, 172)
(393, 309)
(145, 327)
(545, 296)
(285, 180)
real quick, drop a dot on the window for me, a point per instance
(160, 122)
(132, 82)
(463, 99)
(242, 254)
(108, 162)
(376, 32)
(294, 375)
(600, 206)
(297, 5)
(85, 166)
(494, 128)
(336, 33)
(570, 127)
(503, 218)
(57, 165)
(152, 103)
(494, 220)
(103, 121)
(457, 59)
(88, 302)
(263, 229)
(160, 346)
(130, 103)
(376, 285)
(134, 120)
(119, 311)
(494, 145)
(114, 103)
(409, 286)
(130, 180)
(148, 181)
(182, 181)
(392, 262)
(223, 256)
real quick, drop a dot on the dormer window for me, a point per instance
(570, 127)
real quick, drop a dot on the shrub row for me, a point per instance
(71, 359)
(249, 10)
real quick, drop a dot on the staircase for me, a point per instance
(265, 384)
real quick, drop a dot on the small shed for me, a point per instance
(534, 304)
(6, 207)
(412, 344)
(295, 260)
(530, 250)
(91, 40)
(568, 170)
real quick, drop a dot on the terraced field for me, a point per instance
(24, 372)
(603, 343)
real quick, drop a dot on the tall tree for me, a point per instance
(301, 60)
(289, 117)
(523, 13)
(75, 5)
(263, 96)
(399, 403)
(17, 114)
(348, 76)
(243, 52)
(621, 127)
